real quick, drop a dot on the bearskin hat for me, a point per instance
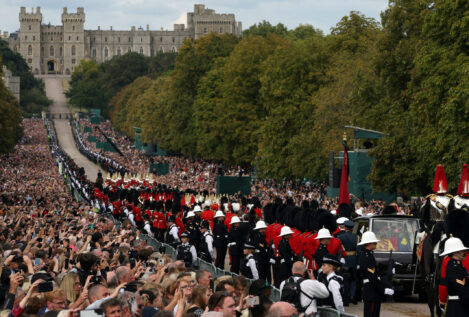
(289, 215)
(305, 204)
(457, 222)
(168, 205)
(344, 210)
(279, 213)
(326, 220)
(223, 200)
(314, 205)
(269, 213)
(388, 210)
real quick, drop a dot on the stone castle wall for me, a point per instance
(59, 49)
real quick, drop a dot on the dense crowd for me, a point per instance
(62, 255)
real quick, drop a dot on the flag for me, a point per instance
(343, 191)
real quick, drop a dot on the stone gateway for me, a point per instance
(58, 49)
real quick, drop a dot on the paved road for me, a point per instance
(406, 307)
(54, 91)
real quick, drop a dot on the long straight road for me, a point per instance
(55, 92)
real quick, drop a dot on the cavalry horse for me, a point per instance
(433, 213)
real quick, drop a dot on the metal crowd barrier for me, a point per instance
(203, 265)
(331, 312)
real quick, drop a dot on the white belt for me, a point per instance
(454, 297)
(366, 281)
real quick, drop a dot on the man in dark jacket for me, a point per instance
(220, 239)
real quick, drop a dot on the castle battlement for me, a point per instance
(60, 48)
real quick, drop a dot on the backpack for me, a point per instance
(291, 293)
(329, 301)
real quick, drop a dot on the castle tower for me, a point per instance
(30, 38)
(73, 39)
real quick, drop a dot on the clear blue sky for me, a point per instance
(122, 14)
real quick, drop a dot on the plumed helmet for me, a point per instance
(440, 184)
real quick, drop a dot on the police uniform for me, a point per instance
(186, 252)
(249, 266)
(205, 247)
(457, 284)
(221, 243)
(172, 237)
(349, 241)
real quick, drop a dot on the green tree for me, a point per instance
(264, 28)
(10, 118)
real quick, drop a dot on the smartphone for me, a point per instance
(45, 287)
(37, 261)
(252, 301)
(91, 313)
(39, 240)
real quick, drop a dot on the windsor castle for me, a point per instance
(59, 49)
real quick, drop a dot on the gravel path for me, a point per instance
(54, 91)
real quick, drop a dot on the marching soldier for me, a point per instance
(186, 251)
(221, 239)
(373, 289)
(349, 241)
(236, 244)
(264, 252)
(249, 267)
(205, 248)
(457, 279)
(287, 257)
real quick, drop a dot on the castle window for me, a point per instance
(205, 30)
(78, 38)
(73, 28)
(30, 27)
(69, 38)
(129, 50)
(30, 60)
(61, 51)
(119, 51)
(105, 39)
(119, 39)
(34, 38)
(73, 61)
(74, 50)
(26, 38)
(221, 30)
(129, 39)
(51, 51)
(141, 39)
(174, 39)
(141, 50)
(51, 38)
(42, 50)
(161, 39)
(106, 52)
(30, 50)
(94, 52)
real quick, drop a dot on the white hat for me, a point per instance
(285, 230)
(226, 206)
(453, 245)
(234, 220)
(323, 234)
(341, 220)
(219, 213)
(334, 212)
(235, 206)
(260, 225)
(368, 237)
(197, 209)
(249, 206)
(190, 214)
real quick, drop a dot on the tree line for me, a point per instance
(279, 99)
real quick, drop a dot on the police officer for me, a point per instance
(457, 279)
(373, 289)
(172, 237)
(349, 241)
(264, 254)
(205, 248)
(186, 251)
(287, 257)
(221, 239)
(249, 267)
(236, 239)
